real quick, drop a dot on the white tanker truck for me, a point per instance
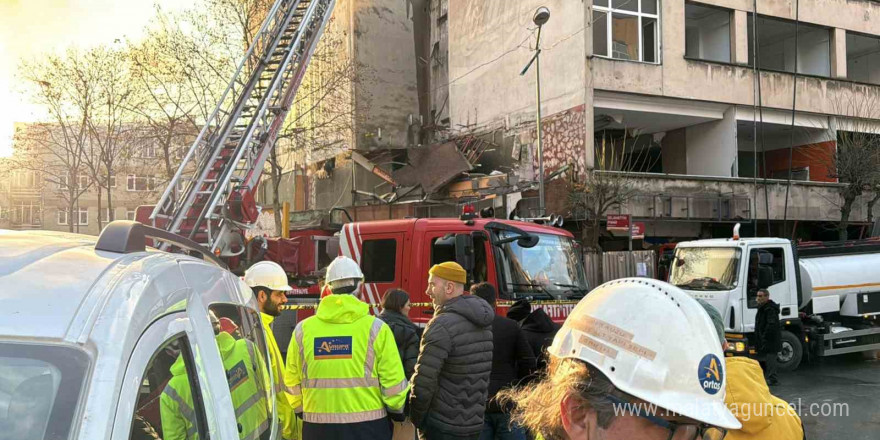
(828, 293)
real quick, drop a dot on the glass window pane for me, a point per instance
(600, 3)
(649, 40)
(168, 403)
(600, 33)
(649, 6)
(379, 260)
(626, 5)
(239, 339)
(625, 37)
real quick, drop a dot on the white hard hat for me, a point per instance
(344, 272)
(267, 274)
(654, 342)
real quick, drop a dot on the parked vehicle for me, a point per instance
(828, 293)
(101, 338)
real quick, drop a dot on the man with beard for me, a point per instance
(269, 283)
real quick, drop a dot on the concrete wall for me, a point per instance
(385, 51)
(711, 147)
(489, 44)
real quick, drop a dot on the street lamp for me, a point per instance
(542, 15)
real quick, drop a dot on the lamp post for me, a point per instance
(542, 14)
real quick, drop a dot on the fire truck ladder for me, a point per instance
(206, 199)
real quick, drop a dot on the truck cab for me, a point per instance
(109, 339)
(522, 260)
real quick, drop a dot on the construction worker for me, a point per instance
(343, 365)
(269, 283)
(240, 362)
(635, 359)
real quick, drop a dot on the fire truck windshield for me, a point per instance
(551, 269)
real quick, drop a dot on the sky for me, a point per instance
(31, 27)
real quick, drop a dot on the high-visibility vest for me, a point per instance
(287, 421)
(343, 365)
(240, 362)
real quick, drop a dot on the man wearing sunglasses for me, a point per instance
(636, 359)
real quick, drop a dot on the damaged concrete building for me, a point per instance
(664, 93)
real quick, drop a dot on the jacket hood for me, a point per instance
(390, 316)
(341, 309)
(472, 308)
(762, 414)
(178, 368)
(539, 322)
(225, 342)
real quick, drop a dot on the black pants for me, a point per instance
(381, 429)
(770, 365)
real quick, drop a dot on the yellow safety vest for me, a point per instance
(251, 408)
(343, 365)
(290, 428)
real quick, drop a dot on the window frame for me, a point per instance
(155, 338)
(58, 217)
(366, 258)
(609, 12)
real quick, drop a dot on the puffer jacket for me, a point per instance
(767, 329)
(406, 336)
(763, 415)
(451, 383)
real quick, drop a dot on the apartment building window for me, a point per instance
(81, 216)
(129, 214)
(84, 181)
(26, 179)
(626, 29)
(26, 213)
(707, 33)
(112, 181)
(776, 46)
(148, 152)
(862, 58)
(141, 183)
(105, 215)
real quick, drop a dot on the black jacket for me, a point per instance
(451, 382)
(512, 359)
(406, 335)
(767, 330)
(540, 331)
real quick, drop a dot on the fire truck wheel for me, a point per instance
(792, 352)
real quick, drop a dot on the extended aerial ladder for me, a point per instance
(210, 199)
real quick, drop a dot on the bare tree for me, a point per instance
(66, 87)
(607, 186)
(855, 162)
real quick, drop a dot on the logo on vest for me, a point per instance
(711, 374)
(338, 347)
(236, 376)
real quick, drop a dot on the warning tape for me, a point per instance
(427, 304)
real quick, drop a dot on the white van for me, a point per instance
(109, 339)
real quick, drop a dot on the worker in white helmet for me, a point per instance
(344, 366)
(636, 359)
(269, 282)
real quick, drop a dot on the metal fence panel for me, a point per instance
(617, 265)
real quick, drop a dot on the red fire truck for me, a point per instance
(523, 260)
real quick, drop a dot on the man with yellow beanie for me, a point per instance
(451, 381)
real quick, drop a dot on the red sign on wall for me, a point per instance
(638, 230)
(617, 222)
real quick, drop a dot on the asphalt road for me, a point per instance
(838, 397)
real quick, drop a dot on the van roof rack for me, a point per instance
(125, 237)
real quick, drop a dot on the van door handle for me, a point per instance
(428, 312)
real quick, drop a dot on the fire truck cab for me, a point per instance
(522, 260)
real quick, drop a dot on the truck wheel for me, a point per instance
(792, 352)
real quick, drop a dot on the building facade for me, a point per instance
(666, 92)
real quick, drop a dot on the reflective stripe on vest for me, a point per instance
(354, 382)
(370, 359)
(185, 410)
(355, 417)
(255, 434)
(396, 389)
(298, 335)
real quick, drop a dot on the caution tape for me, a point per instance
(431, 305)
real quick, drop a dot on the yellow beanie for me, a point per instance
(449, 270)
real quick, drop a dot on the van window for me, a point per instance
(379, 260)
(169, 404)
(773, 270)
(40, 387)
(440, 254)
(242, 349)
